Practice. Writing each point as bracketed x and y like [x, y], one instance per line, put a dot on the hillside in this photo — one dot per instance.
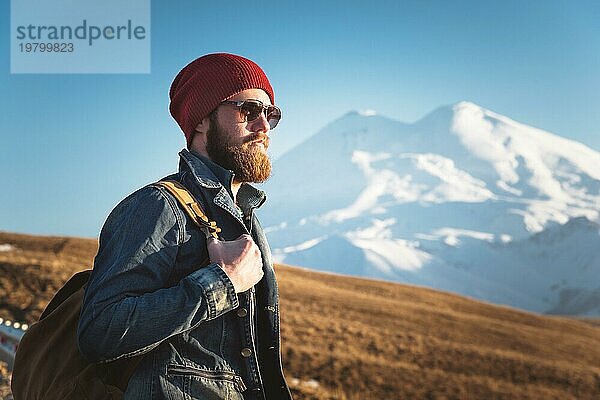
[352, 338]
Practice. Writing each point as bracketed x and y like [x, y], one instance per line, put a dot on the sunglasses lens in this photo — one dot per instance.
[251, 109]
[273, 116]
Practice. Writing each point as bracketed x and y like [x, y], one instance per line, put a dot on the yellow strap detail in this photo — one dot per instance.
[191, 207]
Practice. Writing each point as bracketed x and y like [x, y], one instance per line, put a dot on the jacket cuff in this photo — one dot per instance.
[218, 290]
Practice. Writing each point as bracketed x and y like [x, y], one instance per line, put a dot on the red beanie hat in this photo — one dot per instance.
[205, 82]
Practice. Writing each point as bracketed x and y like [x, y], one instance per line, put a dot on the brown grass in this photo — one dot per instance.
[351, 338]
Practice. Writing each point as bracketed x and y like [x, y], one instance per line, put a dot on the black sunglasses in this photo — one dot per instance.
[251, 109]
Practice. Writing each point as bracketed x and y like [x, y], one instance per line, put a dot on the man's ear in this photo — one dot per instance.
[203, 126]
[198, 142]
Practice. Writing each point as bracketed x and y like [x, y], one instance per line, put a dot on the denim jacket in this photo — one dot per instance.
[148, 295]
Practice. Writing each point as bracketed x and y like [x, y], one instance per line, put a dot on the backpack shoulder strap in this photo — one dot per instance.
[191, 207]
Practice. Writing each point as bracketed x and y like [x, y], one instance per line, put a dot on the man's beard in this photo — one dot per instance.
[248, 162]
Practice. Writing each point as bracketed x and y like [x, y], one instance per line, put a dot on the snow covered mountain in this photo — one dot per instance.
[464, 200]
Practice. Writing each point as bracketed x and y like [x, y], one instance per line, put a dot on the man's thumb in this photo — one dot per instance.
[212, 241]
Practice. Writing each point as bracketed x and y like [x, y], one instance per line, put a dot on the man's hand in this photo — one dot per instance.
[240, 259]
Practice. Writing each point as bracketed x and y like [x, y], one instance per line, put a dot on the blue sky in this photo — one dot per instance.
[72, 145]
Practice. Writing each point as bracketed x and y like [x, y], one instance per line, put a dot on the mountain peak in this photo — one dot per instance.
[367, 112]
[466, 103]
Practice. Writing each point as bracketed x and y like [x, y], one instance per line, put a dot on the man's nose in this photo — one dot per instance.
[260, 124]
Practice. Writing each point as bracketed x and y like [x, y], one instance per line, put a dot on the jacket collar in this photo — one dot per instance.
[204, 175]
[211, 175]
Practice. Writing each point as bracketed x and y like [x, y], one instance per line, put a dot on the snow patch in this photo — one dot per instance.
[386, 253]
[451, 236]
[367, 112]
[478, 136]
[7, 247]
[506, 187]
[456, 185]
[302, 246]
[379, 183]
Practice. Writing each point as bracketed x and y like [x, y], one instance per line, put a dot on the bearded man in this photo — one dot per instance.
[204, 312]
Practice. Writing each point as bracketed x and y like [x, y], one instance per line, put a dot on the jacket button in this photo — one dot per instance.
[246, 352]
[242, 312]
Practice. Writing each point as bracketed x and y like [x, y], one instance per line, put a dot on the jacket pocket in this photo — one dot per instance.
[228, 376]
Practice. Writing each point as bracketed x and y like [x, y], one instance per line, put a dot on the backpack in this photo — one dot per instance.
[48, 364]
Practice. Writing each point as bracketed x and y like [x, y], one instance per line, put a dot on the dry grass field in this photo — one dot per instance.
[351, 338]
